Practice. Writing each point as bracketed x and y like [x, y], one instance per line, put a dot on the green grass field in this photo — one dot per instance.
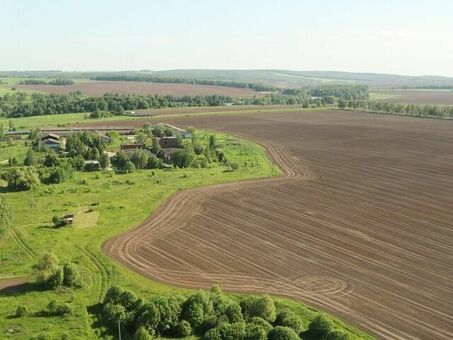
[54, 120]
[105, 204]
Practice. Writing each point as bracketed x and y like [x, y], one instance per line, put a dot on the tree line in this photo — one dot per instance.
[209, 315]
[23, 104]
[170, 80]
[344, 92]
[57, 81]
[432, 111]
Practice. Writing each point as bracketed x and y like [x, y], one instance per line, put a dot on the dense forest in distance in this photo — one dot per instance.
[267, 79]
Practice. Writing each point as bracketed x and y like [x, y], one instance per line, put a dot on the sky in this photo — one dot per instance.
[399, 36]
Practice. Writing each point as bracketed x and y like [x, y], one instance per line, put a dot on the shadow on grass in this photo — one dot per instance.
[22, 288]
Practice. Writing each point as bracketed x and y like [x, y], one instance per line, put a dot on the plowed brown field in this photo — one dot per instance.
[99, 88]
[361, 225]
[418, 97]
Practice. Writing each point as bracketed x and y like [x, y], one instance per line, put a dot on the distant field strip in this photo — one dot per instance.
[360, 225]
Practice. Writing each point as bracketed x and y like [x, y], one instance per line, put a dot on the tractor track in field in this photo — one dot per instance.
[104, 276]
[360, 225]
[19, 239]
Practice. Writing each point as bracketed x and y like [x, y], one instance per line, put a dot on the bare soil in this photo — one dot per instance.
[99, 88]
[418, 97]
[360, 226]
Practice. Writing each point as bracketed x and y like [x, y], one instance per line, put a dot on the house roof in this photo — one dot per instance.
[50, 136]
[51, 141]
[132, 146]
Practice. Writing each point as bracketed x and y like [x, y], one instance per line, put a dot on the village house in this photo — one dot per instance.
[53, 141]
[168, 142]
[132, 146]
[92, 165]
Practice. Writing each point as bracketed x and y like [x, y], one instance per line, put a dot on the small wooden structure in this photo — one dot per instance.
[68, 218]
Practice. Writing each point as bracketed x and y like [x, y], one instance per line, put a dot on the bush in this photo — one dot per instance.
[234, 166]
[21, 311]
[283, 333]
[320, 326]
[140, 159]
[154, 163]
[59, 309]
[72, 276]
[183, 329]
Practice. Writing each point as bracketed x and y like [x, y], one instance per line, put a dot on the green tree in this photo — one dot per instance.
[283, 333]
[212, 142]
[320, 326]
[112, 314]
[30, 159]
[46, 267]
[337, 334]
[104, 161]
[149, 317]
[140, 159]
[51, 159]
[263, 306]
[140, 138]
[56, 279]
[21, 179]
[169, 310]
[142, 334]
[183, 329]
[72, 276]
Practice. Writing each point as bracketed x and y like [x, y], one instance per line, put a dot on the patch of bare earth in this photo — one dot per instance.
[418, 97]
[361, 225]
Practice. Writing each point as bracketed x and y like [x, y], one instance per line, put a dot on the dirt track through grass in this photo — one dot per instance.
[360, 225]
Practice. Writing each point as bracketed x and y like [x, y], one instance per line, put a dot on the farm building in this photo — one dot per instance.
[184, 133]
[132, 146]
[92, 165]
[53, 141]
[168, 142]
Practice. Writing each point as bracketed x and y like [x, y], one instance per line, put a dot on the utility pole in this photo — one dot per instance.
[119, 330]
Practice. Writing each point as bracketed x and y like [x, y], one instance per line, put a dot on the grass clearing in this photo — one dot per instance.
[119, 202]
